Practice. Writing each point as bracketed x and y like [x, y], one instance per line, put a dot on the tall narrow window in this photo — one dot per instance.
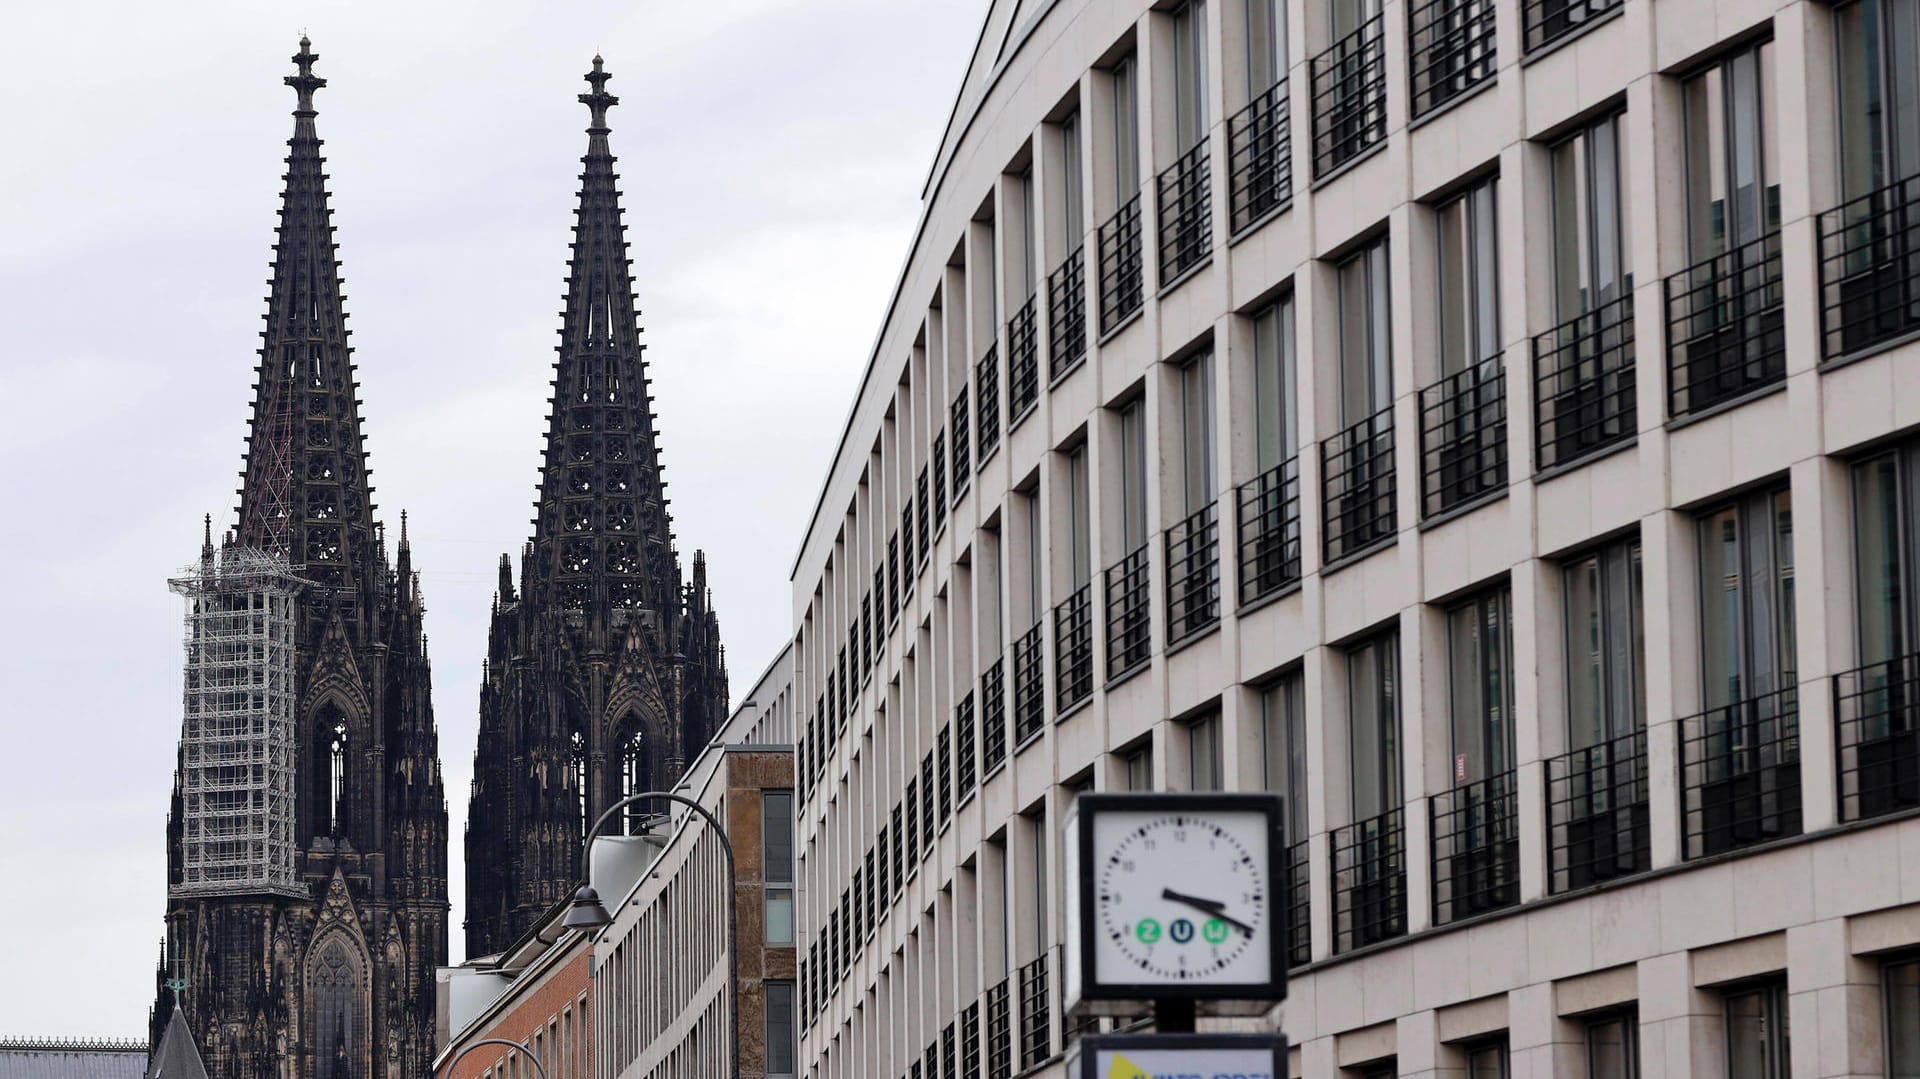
[1036, 556]
[577, 745]
[1205, 771]
[1079, 536]
[1488, 1059]
[1348, 15]
[780, 1042]
[1468, 276]
[776, 829]
[1480, 673]
[337, 782]
[1038, 883]
[1757, 1034]
[1877, 64]
[1126, 131]
[630, 753]
[1613, 1047]
[1275, 436]
[1591, 262]
[1266, 44]
[1366, 372]
[1373, 726]
[1139, 762]
[1133, 474]
[1283, 728]
[1733, 185]
[1747, 599]
[1878, 703]
[1900, 987]
[1196, 431]
[1073, 210]
[1029, 277]
[1190, 74]
[1606, 697]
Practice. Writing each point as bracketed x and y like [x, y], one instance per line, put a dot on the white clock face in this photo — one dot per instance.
[1181, 897]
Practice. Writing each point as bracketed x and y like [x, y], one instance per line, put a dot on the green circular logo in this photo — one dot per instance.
[1215, 931]
[1147, 930]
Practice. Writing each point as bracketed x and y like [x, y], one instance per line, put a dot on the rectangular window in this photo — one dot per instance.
[1189, 74]
[1283, 728]
[1196, 431]
[1877, 63]
[1029, 277]
[1039, 882]
[1747, 599]
[1139, 762]
[1613, 1047]
[1488, 1060]
[776, 829]
[1079, 538]
[1879, 748]
[1366, 372]
[780, 1046]
[1133, 475]
[1733, 176]
[1468, 279]
[1266, 44]
[1757, 1041]
[1373, 725]
[1073, 212]
[1275, 437]
[1349, 14]
[1884, 556]
[1036, 553]
[1204, 768]
[1592, 266]
[1605, 645]
[1480, 677]
[1126, 131]
[1901, 988]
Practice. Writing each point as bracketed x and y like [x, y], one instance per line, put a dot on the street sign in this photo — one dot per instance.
[1180, 1056]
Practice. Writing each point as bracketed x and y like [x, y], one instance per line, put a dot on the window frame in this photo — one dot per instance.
[1610, 722]
[1389, 782]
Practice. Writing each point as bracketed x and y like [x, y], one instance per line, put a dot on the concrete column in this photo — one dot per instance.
[1833, 1004]
[1681, 1032]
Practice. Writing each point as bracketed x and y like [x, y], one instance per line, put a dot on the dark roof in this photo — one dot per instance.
[72, 1058]
[177, 1057]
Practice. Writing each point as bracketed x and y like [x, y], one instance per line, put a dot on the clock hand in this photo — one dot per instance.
[1208, 906]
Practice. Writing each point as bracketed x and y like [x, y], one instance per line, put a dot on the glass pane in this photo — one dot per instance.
[1266, 44]
[1079, 540]
[779, 915]
[1073, 214]
[1610, 1049]
[776, 810]
[1747, 1035]
[1880, 579]
[1720, 608]
[1196, 420]
[1133, 476]
[1480, 653]
[1373, 727]
[1203, 754]
[1126, 141]
[1856, 32]
[1487, 1062]
[1273, 382]
[1903, 1020]
[1586, 719]
[1190, 74]
[1706, 177]
[1903, 85]
[779, 1028]
[1283, 730]
[1786, 635]
[1140, 769]
[1453, 286]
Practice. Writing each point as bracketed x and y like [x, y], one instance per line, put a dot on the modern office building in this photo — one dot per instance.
[1404, 407]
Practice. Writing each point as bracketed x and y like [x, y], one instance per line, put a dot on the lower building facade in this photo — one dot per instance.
[1492, 424]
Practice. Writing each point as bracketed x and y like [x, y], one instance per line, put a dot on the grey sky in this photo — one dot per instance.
[771, 155]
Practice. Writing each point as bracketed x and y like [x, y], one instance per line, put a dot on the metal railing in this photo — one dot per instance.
[1740, 772]
[1129, 617]
[993, 717]
[1029, 686]
[1870, 269]
[960, 418]
[1067, 315]
[1023, 364]
[1476, 848]
[986, 408]
[1350, 96]
[1584, 390]
[1120, 269]
[1451, 43]
[1193, 574]
[969, 751]
[949, 1050]
[1073, 649]
[1597, 813]
[1876, 710]
[1463, 437]
[1270, 531]
[1725, 331]
[1259, 159]
[1546, 21]
[943, 755]
[929, 804]
[1299, 905]
[1186, 216]
[1370, 881]
[1357, 474]
[999, 1031]
[970, 1041]
[1036, 1013]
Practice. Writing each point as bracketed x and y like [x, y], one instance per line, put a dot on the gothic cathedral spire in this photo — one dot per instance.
[604, 670]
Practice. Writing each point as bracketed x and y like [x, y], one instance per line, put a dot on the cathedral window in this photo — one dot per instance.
[336, 807]
[631, 750]
[580, 778]
[337, 1033]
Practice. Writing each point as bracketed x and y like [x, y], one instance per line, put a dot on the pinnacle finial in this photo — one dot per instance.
[599, 101]
[403, 528]
[306, 82]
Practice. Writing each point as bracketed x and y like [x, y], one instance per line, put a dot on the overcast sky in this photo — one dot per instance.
[771, 153]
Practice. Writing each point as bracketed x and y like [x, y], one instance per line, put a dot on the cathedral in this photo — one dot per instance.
[604, 670]
[307, 835]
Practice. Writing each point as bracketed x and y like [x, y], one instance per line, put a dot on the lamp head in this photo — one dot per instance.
[586, 913]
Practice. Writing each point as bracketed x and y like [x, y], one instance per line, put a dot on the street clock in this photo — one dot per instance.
[1175, 897]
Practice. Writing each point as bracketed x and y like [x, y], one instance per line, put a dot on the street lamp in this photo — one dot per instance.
[587, 913]
[541, 1068]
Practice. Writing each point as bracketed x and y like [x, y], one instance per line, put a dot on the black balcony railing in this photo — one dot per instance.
[1877, 724]
[1584, 392]
[1260, 159]
[986, 409]
[999, 1031]
[1193, 574]
[1270, 531]
[970, 1041]
[1597, 813]
[1725, 334]
[1299, 905]
[1186, 215]
[1546, 21]
[1023, 364]
[1350, 96]
[968, 766]
[1463, 437]
[1029, 686]
[1370, 881]
[1476, 848]
[1067, 315]
[1740, 772]
[1128, 615]
[1357, 472]
[993, 717]
[1452, 49]
[950, 1050]
[1870, 269]
[1036, 1013]
[1073, 649]
[1120, 269]
[961, 418]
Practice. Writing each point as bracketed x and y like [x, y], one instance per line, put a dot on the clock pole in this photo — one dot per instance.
[1173, 1016]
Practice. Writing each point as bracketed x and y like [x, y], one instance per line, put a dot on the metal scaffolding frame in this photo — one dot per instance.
[236, 773]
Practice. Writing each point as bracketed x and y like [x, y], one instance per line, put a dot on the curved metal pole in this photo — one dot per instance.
[733, 892]
[541, 1068]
